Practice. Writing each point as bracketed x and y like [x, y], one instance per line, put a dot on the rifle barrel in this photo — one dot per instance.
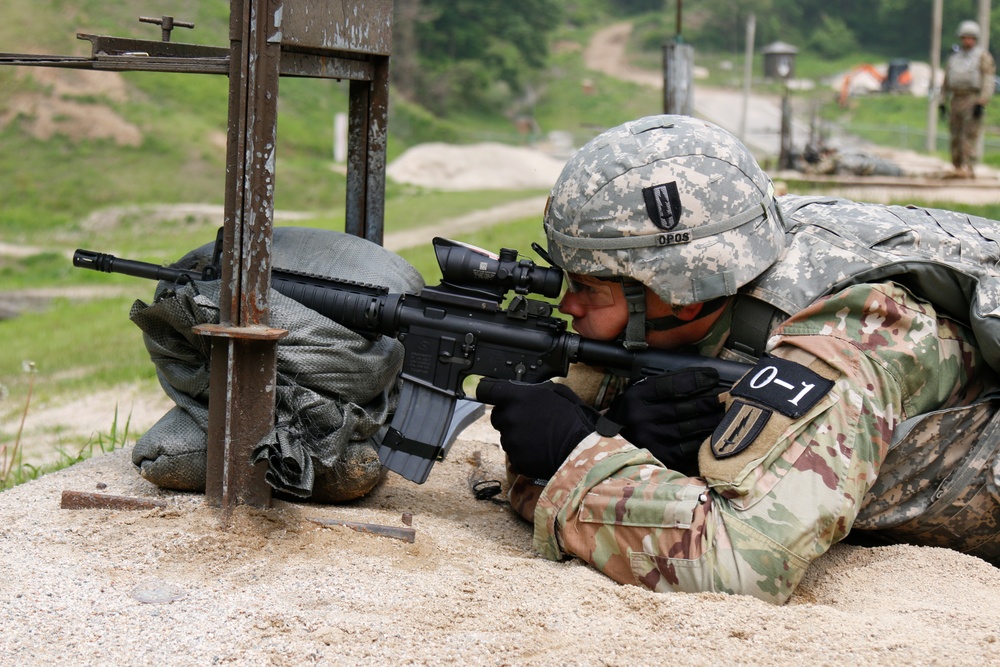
[99, 261]
[648, 362]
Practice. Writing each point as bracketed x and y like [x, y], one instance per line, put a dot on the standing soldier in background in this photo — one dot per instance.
[969, 81]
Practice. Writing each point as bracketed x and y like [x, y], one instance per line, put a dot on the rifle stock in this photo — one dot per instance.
[450, 332]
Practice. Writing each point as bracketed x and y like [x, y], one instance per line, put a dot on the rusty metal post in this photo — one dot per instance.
[378, 134]
[785, 160]
[244, 348]
[367, 135]
[357, 159]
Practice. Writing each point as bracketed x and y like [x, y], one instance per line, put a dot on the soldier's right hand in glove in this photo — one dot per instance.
[539, 424]
[670, 415]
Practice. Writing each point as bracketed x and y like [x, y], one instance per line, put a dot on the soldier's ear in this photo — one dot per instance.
[688, 312]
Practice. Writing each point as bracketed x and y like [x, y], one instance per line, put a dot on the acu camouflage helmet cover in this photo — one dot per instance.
[674, 202]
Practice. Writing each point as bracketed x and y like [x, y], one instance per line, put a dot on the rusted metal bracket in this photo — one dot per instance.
[120, 54]
[167, 24]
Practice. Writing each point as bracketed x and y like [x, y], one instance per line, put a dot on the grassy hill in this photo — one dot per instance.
[180, 120]
[57, 177]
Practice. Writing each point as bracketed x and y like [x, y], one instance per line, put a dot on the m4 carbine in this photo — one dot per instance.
[457, 329]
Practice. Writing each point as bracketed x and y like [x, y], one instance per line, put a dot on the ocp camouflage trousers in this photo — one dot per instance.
[965, 130]
[940, 484]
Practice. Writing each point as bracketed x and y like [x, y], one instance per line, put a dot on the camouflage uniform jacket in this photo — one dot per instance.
[752, 523]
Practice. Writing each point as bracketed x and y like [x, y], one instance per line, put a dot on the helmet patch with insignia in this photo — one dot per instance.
[663, 204]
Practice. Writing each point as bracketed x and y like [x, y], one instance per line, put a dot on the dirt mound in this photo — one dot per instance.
[483, 166]
[68, 108]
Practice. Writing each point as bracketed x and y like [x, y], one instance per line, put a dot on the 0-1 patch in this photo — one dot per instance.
[788, 387]
[739, 428]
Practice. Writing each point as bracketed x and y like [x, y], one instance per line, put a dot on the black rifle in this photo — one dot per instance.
[450, 332]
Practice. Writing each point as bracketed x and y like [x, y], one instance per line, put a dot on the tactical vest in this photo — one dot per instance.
[949, 259]
[965, 70]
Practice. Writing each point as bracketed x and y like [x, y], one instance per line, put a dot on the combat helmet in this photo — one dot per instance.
[968, 29]
[673, 203]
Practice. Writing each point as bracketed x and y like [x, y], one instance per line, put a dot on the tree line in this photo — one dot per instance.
[480, 54]
[831, 28]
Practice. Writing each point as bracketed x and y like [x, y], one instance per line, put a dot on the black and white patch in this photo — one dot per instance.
[663, 205]
[739, 428]
[788, 387]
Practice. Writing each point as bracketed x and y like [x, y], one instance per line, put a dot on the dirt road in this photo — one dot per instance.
[606, 53]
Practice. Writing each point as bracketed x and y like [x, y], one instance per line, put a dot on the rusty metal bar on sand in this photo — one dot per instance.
[81, 500]
[404, 534]
[244, 349]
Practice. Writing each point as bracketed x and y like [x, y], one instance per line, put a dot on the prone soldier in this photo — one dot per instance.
[870, 413]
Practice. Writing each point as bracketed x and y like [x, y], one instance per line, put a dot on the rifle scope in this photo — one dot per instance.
[464, 265]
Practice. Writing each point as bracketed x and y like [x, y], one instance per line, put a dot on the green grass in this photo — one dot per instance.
[900, 121]
[567, 106]
[14, 470]
[77, 347]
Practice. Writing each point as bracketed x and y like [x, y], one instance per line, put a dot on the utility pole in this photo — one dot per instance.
[933, 94]
[747, 72]
[678, 69]
[984, 24]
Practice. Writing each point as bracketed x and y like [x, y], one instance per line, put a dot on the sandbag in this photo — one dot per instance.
[335, 392]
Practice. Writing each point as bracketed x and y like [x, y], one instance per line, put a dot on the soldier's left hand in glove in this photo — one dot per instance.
[539, 424]
[671, 414]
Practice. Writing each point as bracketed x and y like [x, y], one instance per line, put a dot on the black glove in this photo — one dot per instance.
[943, 111]
[977, 111]
[539, 424]
[670, 415]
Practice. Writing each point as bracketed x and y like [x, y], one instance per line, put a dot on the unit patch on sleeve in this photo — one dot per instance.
[785, 386]
[739, 428]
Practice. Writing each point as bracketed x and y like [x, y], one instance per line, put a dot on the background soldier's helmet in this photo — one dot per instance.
[968, 28]
[676, 203]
